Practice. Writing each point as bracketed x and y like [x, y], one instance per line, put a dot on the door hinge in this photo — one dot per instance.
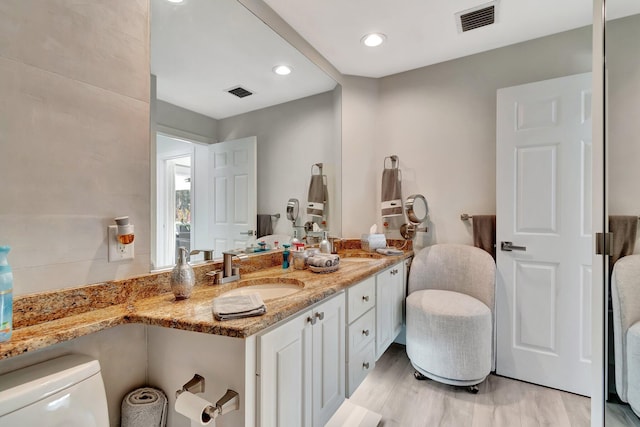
[603, 243]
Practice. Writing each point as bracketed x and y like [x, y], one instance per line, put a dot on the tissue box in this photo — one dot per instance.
[371, 242]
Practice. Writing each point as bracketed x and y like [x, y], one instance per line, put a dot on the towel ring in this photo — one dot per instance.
[395, 160]
[319, 166]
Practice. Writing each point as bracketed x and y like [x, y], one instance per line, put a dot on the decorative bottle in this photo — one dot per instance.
[6, 295]
[325, 246]
[182, 277]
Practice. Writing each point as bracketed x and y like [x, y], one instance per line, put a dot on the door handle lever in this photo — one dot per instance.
[248, 233]
[509, 246]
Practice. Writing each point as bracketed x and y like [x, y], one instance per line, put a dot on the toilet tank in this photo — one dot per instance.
[66, 391]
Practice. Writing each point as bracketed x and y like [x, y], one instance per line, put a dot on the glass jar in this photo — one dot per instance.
[299, 260]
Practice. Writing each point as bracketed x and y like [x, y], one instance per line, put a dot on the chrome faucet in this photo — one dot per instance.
[208, 253]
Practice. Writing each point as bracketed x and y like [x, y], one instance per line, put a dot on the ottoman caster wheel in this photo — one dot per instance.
[473, 389]
[417, 375]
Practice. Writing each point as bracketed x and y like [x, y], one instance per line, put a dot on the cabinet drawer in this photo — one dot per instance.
[360, 365]
[360, 298]
[362, 331]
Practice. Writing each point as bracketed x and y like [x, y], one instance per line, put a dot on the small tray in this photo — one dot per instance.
[324, 269]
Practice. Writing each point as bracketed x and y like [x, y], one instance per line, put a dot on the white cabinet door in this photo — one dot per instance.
[389, 303]
[301, 368]
[284, 374]
[399, 290]
[384, 315]
[328, 356]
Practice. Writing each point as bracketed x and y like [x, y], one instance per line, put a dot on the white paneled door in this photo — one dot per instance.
[543, 194]
[233, 175]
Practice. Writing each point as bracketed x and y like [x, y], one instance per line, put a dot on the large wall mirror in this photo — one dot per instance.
[221, 103]
[622, 108]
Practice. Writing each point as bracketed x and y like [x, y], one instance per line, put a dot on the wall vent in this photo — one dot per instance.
[240, 92]
[476, 17]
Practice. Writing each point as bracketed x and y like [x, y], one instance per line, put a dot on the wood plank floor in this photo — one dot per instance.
[391, 390]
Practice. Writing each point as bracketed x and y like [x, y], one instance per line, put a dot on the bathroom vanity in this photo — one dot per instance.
[292, 366]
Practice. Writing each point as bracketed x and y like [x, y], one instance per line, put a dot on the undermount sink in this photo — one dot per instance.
[267, 288]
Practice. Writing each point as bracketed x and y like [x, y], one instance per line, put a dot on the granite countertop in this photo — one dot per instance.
[193, 314]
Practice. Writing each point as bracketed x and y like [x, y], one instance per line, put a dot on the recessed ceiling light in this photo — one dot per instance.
[373, 39]
[175, 1]
[282, 70]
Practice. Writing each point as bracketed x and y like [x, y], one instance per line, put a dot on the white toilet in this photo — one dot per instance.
[66, 391]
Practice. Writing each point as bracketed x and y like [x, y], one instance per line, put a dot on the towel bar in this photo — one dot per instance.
[276, 216]
[466, 217]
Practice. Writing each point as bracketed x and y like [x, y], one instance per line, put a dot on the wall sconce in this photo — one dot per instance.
[121, 237]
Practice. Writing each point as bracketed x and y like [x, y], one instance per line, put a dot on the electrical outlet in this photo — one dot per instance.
[118, 251]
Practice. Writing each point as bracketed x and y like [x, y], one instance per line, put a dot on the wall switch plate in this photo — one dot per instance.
[118, 251]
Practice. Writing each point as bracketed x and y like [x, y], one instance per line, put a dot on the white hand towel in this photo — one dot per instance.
[237, 306]
[323, 260]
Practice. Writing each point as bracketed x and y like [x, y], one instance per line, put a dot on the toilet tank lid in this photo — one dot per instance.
[25, 386]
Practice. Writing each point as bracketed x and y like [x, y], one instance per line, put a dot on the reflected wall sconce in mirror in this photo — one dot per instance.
[417, 210]
[120, 240]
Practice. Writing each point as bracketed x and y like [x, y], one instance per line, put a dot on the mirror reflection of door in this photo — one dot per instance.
[206, 196]
[622, 53]
[233, 194]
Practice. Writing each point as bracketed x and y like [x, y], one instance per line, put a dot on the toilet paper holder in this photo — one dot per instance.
[194, 385]
[227, 403]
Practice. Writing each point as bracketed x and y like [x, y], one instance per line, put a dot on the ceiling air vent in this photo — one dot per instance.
[476, 17]
[240, 92]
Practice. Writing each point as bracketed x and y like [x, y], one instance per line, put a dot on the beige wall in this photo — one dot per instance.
[74, 154]
[178, 118]
[360, 172]
[440, 120]
[74, 140]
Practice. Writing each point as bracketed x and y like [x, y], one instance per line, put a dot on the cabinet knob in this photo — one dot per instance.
[311, 320]
[365, 332]
[320, 315]
[365, 365]
[365, 298]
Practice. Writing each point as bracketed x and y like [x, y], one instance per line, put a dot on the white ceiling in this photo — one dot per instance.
[423, 32]
[202, 48]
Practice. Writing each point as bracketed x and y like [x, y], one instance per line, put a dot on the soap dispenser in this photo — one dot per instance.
[285, 256]
[325, 246]
[182, 277]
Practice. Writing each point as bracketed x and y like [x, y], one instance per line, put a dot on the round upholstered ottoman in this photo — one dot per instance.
[449, 336]
[633, 367]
